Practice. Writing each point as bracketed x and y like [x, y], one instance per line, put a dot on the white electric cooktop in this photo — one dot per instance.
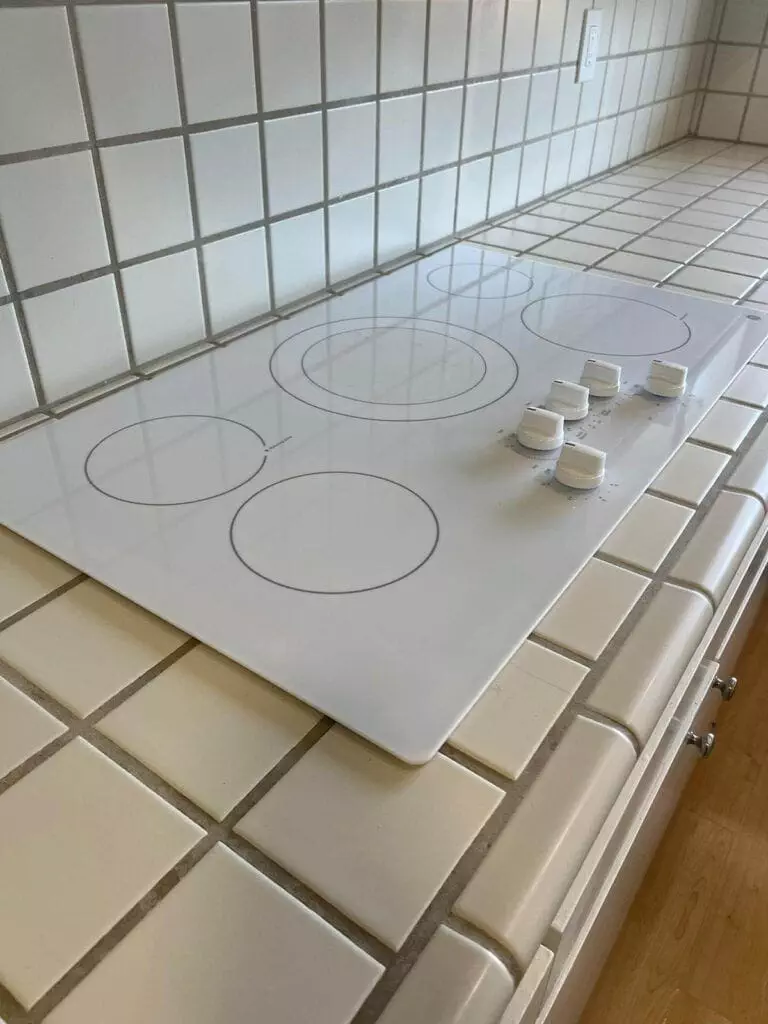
[337, 501]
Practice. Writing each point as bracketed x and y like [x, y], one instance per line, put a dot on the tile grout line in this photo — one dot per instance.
[463, 116]
[497, 112]
[423, 138]
[377, 136]
[321, 12]
[265, 205]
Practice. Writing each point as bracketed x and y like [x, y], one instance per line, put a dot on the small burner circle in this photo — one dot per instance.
[480, 279]
[175, 460]
[334, 532]
[601, 324]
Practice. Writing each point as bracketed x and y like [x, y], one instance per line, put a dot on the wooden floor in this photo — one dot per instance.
[694, 949]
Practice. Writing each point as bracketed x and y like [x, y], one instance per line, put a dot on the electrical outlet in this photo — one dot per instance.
[590, 45]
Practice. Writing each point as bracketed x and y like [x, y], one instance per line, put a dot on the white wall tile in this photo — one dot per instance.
[559, 161]
[721, 115]
[650, 78]
[641, 29]
[479, 118]
[549, 32]
[621, 33]
[567, 102]
[403, 23]
[350, 48]
[289, 53]
[52, 219]
[350, 228]
[513, 103]
[399, 137]
[573, 25]
[732, 68]
[148, 196]
[622, 137]
[505, 177]
[614, 81]
[397, 220]
[294, 161]
[474, 182]
[532, 170]
[640, 127]
[666, 75]
[17, 394]
[744, 21]
[632, 79]
[583, 145]
[660, 22]
[298, 256]
[164, 307]
[447, 40]
[485, 38]
[591, 94]
[756, 122]
[129, 67]
[520, 34]
[676, 24]
[438, 203]
[77, 336]
[601, 154]
[227, 169]
[442, 127]
[761, 79]
[3, 285]
[351, 148]
[216, 87]
[541, 107]
[236, 278]
[37, 109]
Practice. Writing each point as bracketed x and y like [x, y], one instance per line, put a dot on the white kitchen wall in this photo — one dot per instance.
[170, 171]
[736, 100]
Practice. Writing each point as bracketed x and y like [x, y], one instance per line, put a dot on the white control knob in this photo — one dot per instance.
[603, 379]
[570, 400]
[667, 380]
[540, 429]
[580, 466]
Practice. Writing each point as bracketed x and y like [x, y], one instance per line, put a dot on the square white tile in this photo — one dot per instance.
[27, 573]
[294, 161]
[77, 336]
[230, 155]
[532, 173]
[647, 533]
[479, 118]
[539, 224]
[641, 208]
[17, 395]
[442, 127]
[510, 721]
[505, 176]
[706, 219]
[402, 43]
[164, 305]
[749, 245]
[129, 67]
[213, 87]
[690, 234]
[756, 121]
[743, 21]
[298, 256]
[579, 253]
[647, 267]
[726, 425]
[721, 115]
[52, 218]
[592, 608]
[624, 222]
[148, 196]
[351, 237]
[109, 836]
[750, 387]
[448, 27]
[513, 103]
[485, 38]
[608, 237]
[397, 220]
[733, 68]
[210, 728]
[591, 200]
[289, 53]
[236, 278]
[718, 281]
[373, 836]
[351, 148]
[563, 211]
[753, 226]
[760, 294]
[36, 109]
[733, 262]
[25, 727]
[474, 182]
[86, 645]
[225, 919]
[350, 48]
[399, 137]
[541, 107]
[438, 203]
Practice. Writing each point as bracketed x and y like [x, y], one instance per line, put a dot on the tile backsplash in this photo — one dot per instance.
[170, 171]
[736, 101]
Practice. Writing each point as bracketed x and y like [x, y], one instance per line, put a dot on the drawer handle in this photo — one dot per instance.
[727, 687]
[704, 743]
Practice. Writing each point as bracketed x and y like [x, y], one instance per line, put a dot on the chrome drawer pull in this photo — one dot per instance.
[727, 687]
[705, 743]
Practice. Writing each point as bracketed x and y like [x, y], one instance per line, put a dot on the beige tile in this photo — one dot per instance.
[716, 549]
[506, 726]
[647, 267]
[374, 837]
[226, 945]
[737, 263]
[752, 472]
[518, 888]
[24, 727]
[539, 225]
[88, 841]
[526, 1003]
[647, 533]
[86, 645]
[690, 473]
[454, 981]
[27, 573]
[640, 680]
[663, 248]
[750, 387]
[572, 252]
[726, 425]
[505, 238]
[717, 281]
[210, 728]
[598, 236]
[592, 608]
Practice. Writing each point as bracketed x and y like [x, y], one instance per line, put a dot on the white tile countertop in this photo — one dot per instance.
[188, 842]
